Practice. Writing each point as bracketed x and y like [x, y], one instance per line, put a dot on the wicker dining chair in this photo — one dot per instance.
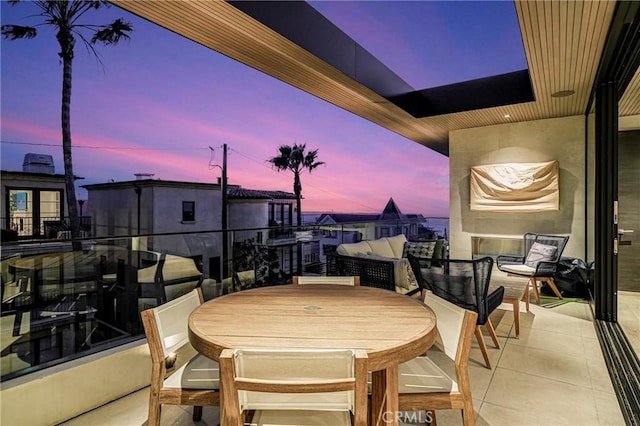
[464, 283]
[313, 279]
[294, 387]
[196, 382]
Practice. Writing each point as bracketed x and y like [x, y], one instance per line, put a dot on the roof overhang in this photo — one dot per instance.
[558, 61]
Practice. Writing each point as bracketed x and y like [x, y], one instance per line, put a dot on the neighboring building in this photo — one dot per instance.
[192, 213]
[386, 224]
[268, 242]
[338, 228]
[33, 200]
[153, 206]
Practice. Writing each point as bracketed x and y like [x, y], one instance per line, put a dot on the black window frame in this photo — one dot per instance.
[188, 216]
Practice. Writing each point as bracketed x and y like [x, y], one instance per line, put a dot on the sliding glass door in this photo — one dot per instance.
[629, 236]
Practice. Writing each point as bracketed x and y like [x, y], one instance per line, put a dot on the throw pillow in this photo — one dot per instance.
[438, 252]
[539, 253]
[419, 249]
[411, 281]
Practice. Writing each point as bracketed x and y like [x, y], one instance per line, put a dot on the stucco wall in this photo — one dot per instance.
[115, 212]
[248, 214]
[561, 139]
[167, 204]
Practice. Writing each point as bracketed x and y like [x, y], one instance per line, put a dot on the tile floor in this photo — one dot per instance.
[629, 316]
[553, 374]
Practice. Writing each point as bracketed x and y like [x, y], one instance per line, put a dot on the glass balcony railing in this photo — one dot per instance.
[59, 304]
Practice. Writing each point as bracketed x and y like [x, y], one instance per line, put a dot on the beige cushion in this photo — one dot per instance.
[354, 249]
[520, 269]
[422, 375]
[403, 290]
[301, 418]
[381, 247]
[403, 275]
[199, 373]
[397, 244]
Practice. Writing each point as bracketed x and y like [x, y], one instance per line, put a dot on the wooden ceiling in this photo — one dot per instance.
[563, 42]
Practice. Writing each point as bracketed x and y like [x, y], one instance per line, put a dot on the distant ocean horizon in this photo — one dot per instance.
[439, 225]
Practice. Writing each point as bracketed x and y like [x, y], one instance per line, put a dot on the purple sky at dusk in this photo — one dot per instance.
[161, 101]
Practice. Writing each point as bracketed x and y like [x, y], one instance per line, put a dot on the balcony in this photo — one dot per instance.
[554, 373]
[60, 305]
[99, 339]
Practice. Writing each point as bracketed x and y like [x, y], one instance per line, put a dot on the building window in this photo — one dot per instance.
[188, 211]
[280, 214]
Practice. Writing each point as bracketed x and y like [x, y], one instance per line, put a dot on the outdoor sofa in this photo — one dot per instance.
[383, 262]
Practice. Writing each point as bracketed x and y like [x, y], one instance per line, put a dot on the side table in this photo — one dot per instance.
[515, 289]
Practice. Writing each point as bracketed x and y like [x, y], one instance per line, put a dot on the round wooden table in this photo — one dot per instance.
[391, 327]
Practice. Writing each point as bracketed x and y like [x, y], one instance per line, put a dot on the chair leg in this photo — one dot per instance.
[483, 347]
[492, 333]
[197, 413]
[431, 418]
[155, 407]
[527, 296]
[154, 414]
[552, 285]
[468, 416]
[516, 316]
[536, 294]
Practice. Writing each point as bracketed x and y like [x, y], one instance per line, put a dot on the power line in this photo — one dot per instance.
[182, 148]
[176, 148]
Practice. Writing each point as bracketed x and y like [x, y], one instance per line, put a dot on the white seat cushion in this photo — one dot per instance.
[199, 373]
[422, 375]
[520, 269]
[300, 418]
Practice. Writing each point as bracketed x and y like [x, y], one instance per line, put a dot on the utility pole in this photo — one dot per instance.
[225, 237]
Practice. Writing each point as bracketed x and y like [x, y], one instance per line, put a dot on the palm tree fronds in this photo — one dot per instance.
[113, 33]
[14, 32]
[63, 16]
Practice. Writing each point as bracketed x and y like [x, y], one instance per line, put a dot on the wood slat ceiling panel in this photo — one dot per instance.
[562, 42]
[630, 102]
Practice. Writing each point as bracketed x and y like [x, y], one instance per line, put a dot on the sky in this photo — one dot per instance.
[163, 105]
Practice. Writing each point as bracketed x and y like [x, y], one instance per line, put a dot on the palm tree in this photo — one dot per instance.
[294, 158]
[64, 17]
